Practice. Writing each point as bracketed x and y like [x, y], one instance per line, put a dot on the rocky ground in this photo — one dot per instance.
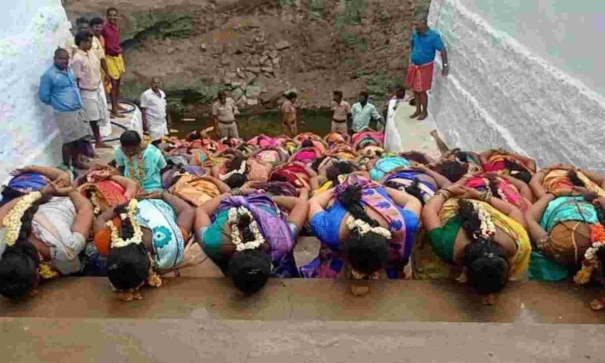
[257, 49]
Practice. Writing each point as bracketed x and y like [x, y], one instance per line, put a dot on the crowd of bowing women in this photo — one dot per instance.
[483, 219]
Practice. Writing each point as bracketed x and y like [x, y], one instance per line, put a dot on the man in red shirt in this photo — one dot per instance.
[113, 58]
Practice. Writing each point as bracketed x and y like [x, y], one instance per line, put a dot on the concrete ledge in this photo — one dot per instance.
[317, 299]
[198, 340]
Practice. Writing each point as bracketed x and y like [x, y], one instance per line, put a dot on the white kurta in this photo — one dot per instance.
[392, 139]
[155, 109]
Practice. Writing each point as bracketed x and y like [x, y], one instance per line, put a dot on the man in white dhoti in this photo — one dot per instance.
[154, 110]
[87, 69]
[392, 139]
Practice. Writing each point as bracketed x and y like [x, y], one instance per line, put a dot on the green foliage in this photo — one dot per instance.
[316, 9]
[384, 18]
[148, 24]
[287, 3]
[381, 83]
[176, 108]
[353, 12]
[351, 40]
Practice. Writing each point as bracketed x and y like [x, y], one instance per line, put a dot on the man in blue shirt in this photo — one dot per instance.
[424, 46]
[59, 89]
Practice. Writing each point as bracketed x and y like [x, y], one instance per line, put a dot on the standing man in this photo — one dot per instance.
[363, 111]
[288, 108]
[82, 25]
[223, 115]
[392, 139]
[87, 69]
[98, 47]
[58, 89]
[341, 113]
[113, 58]
[154, 110]
[424, 45]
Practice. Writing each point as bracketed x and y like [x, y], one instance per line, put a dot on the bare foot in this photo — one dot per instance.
[102, 145]
[359, 290]
[113, 115]
[415, 114]
[120, 108]
[422, 117]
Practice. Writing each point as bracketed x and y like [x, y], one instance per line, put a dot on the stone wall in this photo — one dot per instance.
[505, 90]
[30, 33]
[257, 49]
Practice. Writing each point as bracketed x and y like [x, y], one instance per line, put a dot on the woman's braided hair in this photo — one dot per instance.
[366, 253]
[20, 262]
[127, 267]
[485, 260]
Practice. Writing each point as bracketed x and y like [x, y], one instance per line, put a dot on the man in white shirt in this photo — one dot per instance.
[223, 115]
[392, 139]
[154, 110]
[363, 111]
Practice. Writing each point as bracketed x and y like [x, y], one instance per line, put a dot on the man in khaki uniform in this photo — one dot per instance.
[223, 115]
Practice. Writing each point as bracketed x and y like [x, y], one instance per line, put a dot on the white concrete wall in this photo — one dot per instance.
[525, 75]
[30, 32]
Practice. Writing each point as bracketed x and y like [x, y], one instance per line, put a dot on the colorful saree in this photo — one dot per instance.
[293, 172]
[402, 179]
[23, 184]
[506, 191]
[558, 179]
[195, 190]
[427, 265]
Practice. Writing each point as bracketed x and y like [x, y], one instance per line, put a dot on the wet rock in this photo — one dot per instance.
[230, 76]
[254, 70]
[252, 101]
[203, 46]
[267, 70]
[242, 102]
[276, 60]
[225, 60]
[282, 45]
[273, 54]
[263, 59]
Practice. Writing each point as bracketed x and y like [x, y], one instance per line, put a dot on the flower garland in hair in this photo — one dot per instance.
[589, 265]
[234, 216]
[487, 228]
[241, 170]
[116, 240]
[12, 220]
[363, 228]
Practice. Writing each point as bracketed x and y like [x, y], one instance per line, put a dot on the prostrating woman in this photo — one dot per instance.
[366, 226]
[380, 166]
[145, 239]
[484, 235]
[143, 164]
[515, 165]
[31, 179]
[42, 234]
[297, 174]
[106, 189]
[561, 221]
[418, 180]
[307, 153]
[249, 237]
[502, 186]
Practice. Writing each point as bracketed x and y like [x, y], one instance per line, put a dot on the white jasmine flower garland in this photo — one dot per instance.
[234, 216]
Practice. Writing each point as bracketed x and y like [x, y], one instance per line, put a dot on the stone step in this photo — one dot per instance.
[308, 300]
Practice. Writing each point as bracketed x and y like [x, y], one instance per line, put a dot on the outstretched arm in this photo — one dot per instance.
[534, 215]
[536, 184]
[298, 209]
[58, 176]
[203, 212]
[185, 213]
[131, 187]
